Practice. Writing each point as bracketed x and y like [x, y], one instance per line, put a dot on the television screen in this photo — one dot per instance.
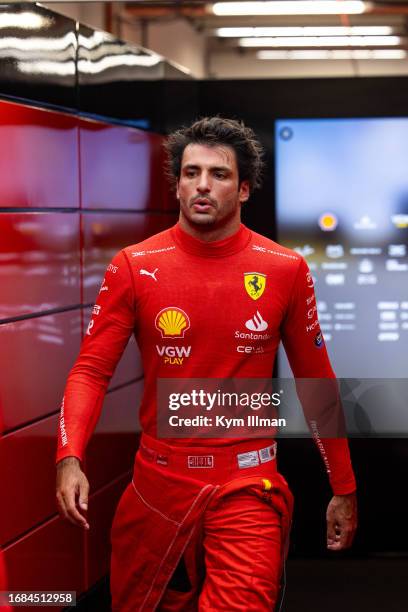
[342, 202]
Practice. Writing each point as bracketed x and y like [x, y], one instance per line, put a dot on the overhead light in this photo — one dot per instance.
[361, 54]
[96, 38]
[305, 31]
[371, 54]
[322, 41]
[34, 44]
[292, 7]
[27, 20]
[43, 67]
[114, 61]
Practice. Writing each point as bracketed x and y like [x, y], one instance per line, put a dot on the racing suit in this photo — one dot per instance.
[200, 310]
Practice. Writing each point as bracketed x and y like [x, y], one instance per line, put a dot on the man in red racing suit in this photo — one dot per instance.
[205, 299]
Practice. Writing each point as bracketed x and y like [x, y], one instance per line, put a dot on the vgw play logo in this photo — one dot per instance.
[172, 322]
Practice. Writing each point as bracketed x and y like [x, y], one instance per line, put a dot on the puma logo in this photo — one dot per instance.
[152, 274]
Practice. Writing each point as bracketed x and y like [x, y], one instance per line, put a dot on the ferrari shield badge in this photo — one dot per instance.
[255, 283]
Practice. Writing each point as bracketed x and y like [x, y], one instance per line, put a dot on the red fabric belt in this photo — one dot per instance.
[215, 465]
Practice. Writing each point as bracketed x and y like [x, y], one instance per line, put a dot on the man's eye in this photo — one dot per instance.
[219, 175]
[190, 173]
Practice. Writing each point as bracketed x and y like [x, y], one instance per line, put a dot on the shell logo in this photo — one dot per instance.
[172, 322]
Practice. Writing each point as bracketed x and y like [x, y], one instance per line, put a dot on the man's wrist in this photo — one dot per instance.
[71, 460]
[351, 494]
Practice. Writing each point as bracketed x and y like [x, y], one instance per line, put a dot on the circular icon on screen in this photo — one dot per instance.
[286, 133]
[328, 222]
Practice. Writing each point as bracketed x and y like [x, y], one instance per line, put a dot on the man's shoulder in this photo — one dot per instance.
[273, 251]
[162, 242]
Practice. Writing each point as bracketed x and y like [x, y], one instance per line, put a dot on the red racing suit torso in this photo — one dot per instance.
[199, 310]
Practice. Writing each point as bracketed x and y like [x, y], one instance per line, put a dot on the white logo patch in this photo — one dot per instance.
[174, 351]
[103, 287]
[90, 326]
[152, 274]
[249, 459]
[200, 461]
[152, 251]
[268, 453]
[257, 323]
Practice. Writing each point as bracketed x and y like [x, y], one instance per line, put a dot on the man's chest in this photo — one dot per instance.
[213, 301]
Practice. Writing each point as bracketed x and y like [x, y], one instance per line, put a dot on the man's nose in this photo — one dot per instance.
[203, 184]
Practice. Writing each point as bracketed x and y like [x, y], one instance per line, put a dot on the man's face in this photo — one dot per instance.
[208, 188]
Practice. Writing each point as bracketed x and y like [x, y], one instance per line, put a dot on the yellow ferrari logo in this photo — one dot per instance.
[254, 284]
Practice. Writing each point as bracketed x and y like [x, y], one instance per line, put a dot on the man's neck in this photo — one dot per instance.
[210, 233]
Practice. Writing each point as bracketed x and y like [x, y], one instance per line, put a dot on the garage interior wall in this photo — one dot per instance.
[60, 226]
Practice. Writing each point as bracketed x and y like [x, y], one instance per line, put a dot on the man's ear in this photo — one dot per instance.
[244, 191]
[177, 190]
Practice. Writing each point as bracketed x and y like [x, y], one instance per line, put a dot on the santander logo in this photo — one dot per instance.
[257, 323]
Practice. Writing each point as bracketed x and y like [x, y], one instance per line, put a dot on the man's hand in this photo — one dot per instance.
[341, 521]
[72, 491]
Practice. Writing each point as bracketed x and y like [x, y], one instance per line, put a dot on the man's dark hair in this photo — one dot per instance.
[214, 131]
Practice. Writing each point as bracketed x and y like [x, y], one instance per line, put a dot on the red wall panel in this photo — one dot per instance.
[112, 448]
[27, 461]
[102, 507]
[121, 167]
[105, 234]
[129, 367]
[39, 262]
[36, 355]
[49, 558]
[27, 473]
[169, 200]
[38, 157]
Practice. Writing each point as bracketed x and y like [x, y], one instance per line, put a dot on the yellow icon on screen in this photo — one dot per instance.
[328, 222]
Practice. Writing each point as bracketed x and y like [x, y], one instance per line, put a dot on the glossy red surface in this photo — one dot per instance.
[27, 473]
[39, 262]
[121, 167]
[102, 507]
[36, 355]
[40, 269]
[129, 367]
[27, 457]
[38, 157]
[49, 558]
[105, 234]
[170, 202]
[112, 448]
